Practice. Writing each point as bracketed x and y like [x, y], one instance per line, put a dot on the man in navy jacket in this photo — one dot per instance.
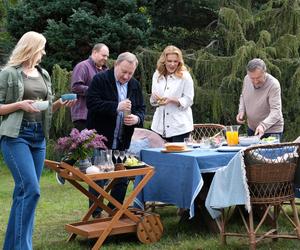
[115, 107]
[111, 95]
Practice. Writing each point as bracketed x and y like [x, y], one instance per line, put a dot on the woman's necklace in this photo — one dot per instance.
[30, 72]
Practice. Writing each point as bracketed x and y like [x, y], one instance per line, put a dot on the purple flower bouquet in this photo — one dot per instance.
[80, 145]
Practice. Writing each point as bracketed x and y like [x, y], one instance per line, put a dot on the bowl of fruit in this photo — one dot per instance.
[271, 139]
[132, 162]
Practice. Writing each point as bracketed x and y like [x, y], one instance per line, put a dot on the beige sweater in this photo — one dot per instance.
[262, 106]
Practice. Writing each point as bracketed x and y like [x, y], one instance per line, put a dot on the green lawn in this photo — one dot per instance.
[63, 204]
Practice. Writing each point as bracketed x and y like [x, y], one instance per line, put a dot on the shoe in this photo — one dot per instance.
[60, 180]
[96, 215]
[182, 211]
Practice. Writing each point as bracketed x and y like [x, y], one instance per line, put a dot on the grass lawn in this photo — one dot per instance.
[59, 205]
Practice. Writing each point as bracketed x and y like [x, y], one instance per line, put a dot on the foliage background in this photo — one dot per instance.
[218, 39]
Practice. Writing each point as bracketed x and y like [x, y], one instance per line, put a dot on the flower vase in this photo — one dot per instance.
[83, 164]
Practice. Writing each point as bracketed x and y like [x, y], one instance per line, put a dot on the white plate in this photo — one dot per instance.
[230, 148]
[140, 164]
[176, 151]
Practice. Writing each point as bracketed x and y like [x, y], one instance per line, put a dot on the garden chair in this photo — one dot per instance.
[270, 171]
[297, 177]
[154, 140]
[206, 130]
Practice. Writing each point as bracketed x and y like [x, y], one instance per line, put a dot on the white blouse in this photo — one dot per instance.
[171, 120]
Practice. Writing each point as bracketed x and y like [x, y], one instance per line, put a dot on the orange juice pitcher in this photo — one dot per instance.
[232, 135]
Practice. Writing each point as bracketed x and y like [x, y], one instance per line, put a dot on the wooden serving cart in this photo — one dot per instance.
[123, 219]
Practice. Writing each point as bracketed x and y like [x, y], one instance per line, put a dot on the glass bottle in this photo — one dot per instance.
[110, 165]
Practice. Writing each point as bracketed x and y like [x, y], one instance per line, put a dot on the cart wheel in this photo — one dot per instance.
[149, 229]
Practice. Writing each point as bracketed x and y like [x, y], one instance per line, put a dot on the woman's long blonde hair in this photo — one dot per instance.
[161, 67]
[27, 49]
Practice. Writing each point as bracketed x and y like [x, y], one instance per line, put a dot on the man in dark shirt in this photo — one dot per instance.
[115, 107]
[82, 76]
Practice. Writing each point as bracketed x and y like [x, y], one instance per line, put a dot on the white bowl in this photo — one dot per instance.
[41, 105]
[248, 140]
[92, 170]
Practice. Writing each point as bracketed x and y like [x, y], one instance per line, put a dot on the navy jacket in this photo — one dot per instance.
[102, 103]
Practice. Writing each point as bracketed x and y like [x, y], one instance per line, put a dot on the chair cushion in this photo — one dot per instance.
[298, 139]
[155, 141]
[137, 145]
[259, 158]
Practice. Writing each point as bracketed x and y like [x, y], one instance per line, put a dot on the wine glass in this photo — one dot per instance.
[122, 156]
[127, 154]
[116, 155]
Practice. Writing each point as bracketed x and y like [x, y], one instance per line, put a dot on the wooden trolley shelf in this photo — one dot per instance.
[94, 228]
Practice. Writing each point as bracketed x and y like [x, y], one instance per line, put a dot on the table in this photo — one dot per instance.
[177, 178]
[122, 219]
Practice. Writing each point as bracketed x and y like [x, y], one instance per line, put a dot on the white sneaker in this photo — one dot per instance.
[60, 180]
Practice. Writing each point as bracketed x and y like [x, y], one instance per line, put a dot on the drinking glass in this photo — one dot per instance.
[232, 135]
[127, 154]
[116, 155]
[188, 142]
[205, 143]
[122, 156]
[276, 138]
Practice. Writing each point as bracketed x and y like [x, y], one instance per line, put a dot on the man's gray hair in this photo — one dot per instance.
[127, 56]
[98, 46]
[256, 63]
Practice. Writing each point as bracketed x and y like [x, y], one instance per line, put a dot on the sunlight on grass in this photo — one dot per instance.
[60, 205]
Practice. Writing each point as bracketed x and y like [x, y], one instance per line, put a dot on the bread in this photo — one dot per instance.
[175, 146]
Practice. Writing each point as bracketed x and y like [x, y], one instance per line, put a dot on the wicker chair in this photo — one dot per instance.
[200, 131]
[270, 171]
[206, 130]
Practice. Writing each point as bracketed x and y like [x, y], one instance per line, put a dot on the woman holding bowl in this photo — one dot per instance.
[23, 130]
[172, 95]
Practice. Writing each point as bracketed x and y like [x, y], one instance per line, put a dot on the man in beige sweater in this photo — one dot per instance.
[260, 101]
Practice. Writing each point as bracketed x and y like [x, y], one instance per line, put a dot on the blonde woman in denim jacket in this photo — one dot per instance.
[23, 131]
[172, 94]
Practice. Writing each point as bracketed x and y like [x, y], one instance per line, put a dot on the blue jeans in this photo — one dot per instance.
[24, 157]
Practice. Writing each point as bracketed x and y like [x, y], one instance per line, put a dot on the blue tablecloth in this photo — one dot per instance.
[177, 178]
[229, 187]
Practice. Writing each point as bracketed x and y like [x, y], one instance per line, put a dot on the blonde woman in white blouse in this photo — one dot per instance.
[172, 94]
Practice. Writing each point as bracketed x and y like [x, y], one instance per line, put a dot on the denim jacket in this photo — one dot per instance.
[12, 90]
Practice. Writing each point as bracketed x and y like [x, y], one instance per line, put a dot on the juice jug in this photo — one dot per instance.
[232, 135]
